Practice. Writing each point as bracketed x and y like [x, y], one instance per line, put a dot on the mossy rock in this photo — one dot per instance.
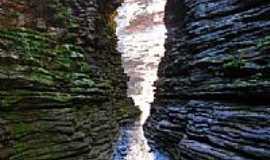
[40, 51]
[234, 64]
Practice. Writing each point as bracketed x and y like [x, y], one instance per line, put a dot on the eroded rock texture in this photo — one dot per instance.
[212, 100]
[62, 88]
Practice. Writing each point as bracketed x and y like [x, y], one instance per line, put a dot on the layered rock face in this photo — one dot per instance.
[62, 87]
[212, 100]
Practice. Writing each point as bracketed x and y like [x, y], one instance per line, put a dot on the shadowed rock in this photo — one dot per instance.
[62, 87]
[212, 99]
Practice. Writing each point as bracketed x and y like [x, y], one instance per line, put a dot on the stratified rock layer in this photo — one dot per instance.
[212, 100]
[62, 88]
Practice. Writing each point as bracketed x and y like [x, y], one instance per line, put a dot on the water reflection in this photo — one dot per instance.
[141, 34]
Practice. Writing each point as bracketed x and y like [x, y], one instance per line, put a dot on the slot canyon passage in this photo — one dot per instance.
[141, 34]
[65, 91]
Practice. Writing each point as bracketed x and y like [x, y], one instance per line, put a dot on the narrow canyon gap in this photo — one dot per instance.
[141, 34]
[63, 87]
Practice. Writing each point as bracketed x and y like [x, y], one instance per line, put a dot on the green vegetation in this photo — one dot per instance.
[126, 111]
[263, 42]
[43, 51]
[37, 58]
[22, 128]
[48, 79]
[13, 97]
[62, 13]
[20, 147]
[234, 64]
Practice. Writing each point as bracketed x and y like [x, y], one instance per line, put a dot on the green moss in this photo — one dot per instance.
[62, 13]
[263, 42]
[10, 98]
[15, 14]
[127, 111]
[69, 56]
[41, 78]
[105, 84]
[28, 44]
[21, 128]
[19, 147]
[234, 64]
[8, 101]
[84, 82]
[35, 48]
[84, 67]
[60, 97]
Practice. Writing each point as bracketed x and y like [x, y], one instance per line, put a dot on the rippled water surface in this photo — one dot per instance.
[141, 34]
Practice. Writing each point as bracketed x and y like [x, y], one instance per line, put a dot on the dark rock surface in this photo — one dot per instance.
[212, 99]
[62, 87]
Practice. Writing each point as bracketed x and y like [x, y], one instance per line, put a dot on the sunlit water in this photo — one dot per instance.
[141, 34]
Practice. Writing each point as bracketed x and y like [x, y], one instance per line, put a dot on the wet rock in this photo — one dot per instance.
[62, 87]
[212, 99]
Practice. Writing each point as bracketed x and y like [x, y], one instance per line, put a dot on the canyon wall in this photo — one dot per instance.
[212, 99]
[62, 86]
